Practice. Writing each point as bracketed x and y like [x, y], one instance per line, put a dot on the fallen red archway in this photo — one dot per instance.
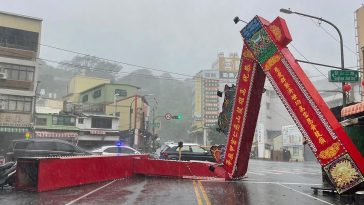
[265, 55]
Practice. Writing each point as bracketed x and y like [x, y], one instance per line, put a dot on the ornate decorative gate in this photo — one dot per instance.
[265, 55]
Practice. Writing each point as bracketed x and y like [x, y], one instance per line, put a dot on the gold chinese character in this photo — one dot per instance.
[305, 114]
[245, 77]
[309, 121]
[239, 110]
[231, 156]
[294, 97]
[302, 109]
[286, 85]
[322, 140]
[298, 102]
[241, 100]
[233, 141]
[318, 134]
[231, 149]
[313, 127]
[290, 91]
[238, 118]
[242, 91]
[235, 134]
[247, 68]
[236, 126]
[283, 80]
[228, 162]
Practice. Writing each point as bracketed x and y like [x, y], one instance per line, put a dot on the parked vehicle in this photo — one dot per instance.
[44, 148]
[188, 152]
[113, 149]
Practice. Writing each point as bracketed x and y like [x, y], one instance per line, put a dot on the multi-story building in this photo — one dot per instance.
[106, 99]
[19, 51]
[80, 83]
[206, 102]
[228, 67]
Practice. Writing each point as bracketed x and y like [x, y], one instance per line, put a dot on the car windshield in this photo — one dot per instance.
[181, 102]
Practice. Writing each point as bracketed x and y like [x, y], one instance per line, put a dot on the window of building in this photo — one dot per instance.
[19, 39]
[18, 72]
[97, 94]
[63, 120]
[295, 151]
[85, 98]
[121, 92]
[80, 120]
[98, 122]
[40, 121]
[16, 103]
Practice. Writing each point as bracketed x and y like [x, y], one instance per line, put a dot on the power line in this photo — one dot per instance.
[133, 65]
[311, 64]
[332, 36]
[116, 61]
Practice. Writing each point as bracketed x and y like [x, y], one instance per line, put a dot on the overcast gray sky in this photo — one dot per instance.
[183, 35]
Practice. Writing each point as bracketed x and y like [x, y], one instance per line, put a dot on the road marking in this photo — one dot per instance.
[207, 200]
[81, 197]
[305, 194]
[255, 173]
[199, 200]
[265, 182]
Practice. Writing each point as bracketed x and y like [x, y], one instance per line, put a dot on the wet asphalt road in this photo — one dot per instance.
[267, 182]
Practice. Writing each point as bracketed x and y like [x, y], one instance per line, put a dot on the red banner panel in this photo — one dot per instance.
[250, 83]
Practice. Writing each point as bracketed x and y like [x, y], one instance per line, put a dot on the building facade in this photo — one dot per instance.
[228, 67]
[359, 17]
[19, 51]
[80, 83]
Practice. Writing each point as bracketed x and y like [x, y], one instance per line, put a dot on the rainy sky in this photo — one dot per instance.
[184, 36]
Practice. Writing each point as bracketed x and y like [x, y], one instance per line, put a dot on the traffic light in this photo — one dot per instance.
[178, 117]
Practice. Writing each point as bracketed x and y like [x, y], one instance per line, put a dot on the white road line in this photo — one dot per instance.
[81, 197]
[287, 183]
[256, 173]
[268, 172]
[305, 194]
[264, 182]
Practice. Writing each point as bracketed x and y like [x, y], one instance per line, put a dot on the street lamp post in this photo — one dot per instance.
[287, 11]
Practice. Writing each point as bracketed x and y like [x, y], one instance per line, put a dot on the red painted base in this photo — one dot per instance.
[45, 174]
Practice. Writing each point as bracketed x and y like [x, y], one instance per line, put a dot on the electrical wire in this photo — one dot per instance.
[116, 61]
[332, 36]
[311, 64]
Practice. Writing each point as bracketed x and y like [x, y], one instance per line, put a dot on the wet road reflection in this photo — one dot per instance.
[266, 183]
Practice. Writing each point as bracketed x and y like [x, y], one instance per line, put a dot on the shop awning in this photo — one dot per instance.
[56, 134]
[352, 109]
[14, 129]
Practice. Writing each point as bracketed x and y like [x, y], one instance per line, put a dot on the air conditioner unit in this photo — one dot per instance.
[3, 76]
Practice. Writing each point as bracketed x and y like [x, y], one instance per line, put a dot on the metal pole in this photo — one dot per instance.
[153, 128]
[34, 109]
[114, 104]
[341, 42]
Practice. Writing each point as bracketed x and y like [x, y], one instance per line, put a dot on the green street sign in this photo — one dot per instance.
[343, 76]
